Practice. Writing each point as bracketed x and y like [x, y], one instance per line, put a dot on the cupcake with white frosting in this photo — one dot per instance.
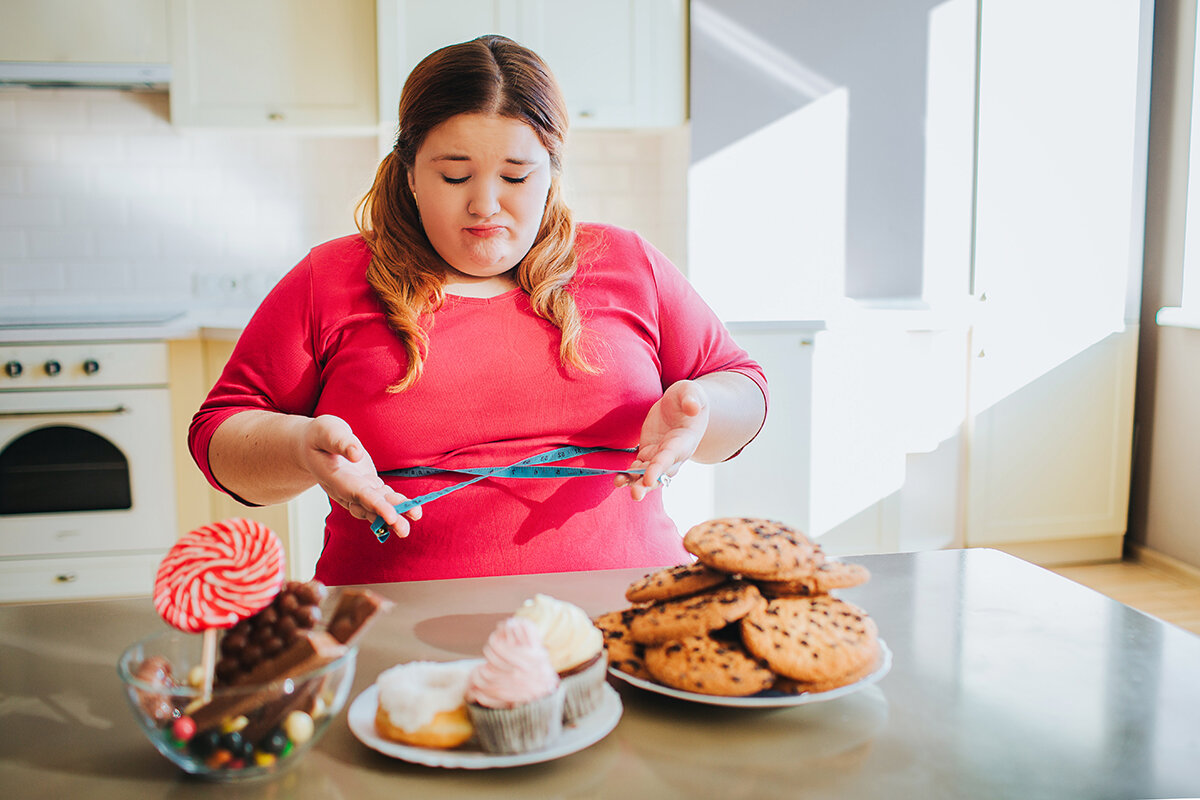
[576, 649]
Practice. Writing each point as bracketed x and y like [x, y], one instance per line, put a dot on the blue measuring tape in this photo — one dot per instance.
[526, 468]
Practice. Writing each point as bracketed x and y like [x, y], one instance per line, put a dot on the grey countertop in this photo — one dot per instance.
[1008, 681]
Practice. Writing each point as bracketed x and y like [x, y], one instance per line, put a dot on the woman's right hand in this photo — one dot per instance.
[331, 452]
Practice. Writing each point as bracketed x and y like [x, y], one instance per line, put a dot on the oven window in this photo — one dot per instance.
[62, 468]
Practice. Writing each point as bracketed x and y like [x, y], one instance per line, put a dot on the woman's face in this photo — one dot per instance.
[481, 182]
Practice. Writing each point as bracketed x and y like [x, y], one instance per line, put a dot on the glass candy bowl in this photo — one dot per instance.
[248, 731]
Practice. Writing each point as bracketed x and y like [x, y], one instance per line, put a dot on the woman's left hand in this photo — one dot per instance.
[670, 435]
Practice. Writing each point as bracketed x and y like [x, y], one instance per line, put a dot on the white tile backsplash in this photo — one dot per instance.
[102, 198]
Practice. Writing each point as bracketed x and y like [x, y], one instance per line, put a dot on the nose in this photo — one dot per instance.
[485, 200]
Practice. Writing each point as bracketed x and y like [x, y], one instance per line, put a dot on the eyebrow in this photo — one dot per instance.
[455, 157]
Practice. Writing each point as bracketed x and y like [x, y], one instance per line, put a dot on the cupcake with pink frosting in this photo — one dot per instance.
[514, 698]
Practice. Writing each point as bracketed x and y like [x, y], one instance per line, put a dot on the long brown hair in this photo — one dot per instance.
[491, 75]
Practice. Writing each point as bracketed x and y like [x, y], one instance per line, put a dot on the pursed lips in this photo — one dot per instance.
[485, 231]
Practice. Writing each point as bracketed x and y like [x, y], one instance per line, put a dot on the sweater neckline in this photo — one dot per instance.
[459, 299]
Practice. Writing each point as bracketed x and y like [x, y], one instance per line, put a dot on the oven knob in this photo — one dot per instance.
[52, 367]
[91, 366]
[13, 369]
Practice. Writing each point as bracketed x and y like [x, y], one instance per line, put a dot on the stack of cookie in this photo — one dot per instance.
[754, 613]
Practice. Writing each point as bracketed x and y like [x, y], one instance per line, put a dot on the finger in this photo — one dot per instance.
[336, 437]
[693, 400]
[638, 491]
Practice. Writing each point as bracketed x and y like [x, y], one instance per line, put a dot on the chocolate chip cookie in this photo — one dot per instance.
[623, 652]
[754, 548]
[814, 640]
[695, 615]
[830, 575]
[674, 582]
[708, 665]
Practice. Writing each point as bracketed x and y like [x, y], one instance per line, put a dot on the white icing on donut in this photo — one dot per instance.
[413, 693]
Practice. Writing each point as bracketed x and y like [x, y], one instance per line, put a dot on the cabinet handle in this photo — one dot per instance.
[66, 577]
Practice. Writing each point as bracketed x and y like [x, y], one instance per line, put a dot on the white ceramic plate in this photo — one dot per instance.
[584, 733]
[768, 699]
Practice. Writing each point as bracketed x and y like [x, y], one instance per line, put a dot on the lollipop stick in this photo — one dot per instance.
[209, 661]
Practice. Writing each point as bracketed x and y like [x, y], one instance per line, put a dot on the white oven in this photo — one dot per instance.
[87, 489]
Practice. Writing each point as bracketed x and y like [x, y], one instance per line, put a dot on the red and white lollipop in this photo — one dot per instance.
[216, 576]
[219, 574]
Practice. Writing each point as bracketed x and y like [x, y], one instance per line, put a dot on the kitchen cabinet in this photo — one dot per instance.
[278, 63]
[621, 63]
[84, 31]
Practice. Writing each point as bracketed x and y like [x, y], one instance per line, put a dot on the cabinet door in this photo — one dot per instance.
[273, 62]
[1060, 197]
[409, 30]
[84, 31]
[621, 63]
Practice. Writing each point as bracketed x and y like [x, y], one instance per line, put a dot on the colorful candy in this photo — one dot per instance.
[298, 726]
[183, 728]
[219, 574]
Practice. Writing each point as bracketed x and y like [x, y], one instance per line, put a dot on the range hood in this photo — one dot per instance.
[50, 75]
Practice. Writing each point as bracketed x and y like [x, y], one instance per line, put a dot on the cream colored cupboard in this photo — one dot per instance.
[621, 63]
[84, 31]
[279, 63]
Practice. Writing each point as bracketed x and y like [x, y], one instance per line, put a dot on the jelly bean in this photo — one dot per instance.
[274, 743]
[195, 676]
[183, 728]
[262, 759]
[299, 727]
[205, 744]
[245, 750]
[218, 759]
[232, 741]
[234, 724]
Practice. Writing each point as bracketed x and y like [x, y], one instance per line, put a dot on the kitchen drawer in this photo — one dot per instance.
[41, 579]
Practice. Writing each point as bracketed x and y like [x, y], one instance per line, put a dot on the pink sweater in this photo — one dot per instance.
[493, 392]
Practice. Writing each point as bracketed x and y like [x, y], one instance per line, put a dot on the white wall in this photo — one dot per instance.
[101, 198]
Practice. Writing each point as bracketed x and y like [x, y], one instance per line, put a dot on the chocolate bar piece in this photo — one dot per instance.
[354, 612]
[311, 651]
[273, 714]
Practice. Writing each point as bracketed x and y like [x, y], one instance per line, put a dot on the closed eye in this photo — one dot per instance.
[448, 179]
[516, 180]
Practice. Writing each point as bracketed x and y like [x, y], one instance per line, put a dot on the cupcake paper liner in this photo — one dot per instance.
[530, 726]
[585, 689]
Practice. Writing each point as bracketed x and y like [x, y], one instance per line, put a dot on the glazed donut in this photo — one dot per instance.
[423, 703]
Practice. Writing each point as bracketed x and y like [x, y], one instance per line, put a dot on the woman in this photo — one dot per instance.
[473, 324]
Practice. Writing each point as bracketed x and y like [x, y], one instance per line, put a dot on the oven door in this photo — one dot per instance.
[86, 471]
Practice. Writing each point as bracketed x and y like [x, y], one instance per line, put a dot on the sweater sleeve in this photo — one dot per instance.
[692, 340]
[273, 367]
